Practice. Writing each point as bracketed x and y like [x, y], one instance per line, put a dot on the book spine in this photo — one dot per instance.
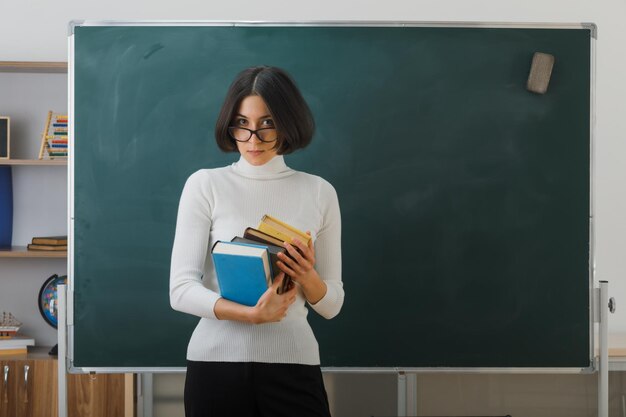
[47, 247]
[49, 242]
[259, 236]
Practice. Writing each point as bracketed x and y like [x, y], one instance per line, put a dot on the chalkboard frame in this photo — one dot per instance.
[71, 167]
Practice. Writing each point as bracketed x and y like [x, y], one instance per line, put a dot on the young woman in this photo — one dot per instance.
[262, 360]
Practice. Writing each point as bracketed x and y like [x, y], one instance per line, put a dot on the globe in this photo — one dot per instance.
[48, 299]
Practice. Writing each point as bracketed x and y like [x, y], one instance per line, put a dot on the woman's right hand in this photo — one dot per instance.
[272, 307]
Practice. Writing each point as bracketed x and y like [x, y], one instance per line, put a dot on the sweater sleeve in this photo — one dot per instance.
[193, 225]
[328, 254]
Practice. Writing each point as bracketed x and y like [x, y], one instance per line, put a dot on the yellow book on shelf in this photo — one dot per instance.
[281, 230]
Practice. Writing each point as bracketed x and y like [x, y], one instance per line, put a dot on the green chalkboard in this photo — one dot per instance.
[465, 198]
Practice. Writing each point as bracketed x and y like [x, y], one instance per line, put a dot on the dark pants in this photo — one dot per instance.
[251, 389]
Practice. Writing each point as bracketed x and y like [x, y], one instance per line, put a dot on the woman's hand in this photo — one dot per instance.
[301, 268]
[272, 307]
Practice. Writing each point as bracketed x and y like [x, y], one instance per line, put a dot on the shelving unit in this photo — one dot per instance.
[36, 185]
[35, 68]
[28, 138]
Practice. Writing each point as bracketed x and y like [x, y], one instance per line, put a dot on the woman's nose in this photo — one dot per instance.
[255, 137]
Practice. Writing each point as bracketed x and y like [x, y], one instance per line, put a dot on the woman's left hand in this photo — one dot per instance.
[301, 266]
[301, 269]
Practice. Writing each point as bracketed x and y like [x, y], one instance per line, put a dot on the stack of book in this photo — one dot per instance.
[49, 243]
[246, 266]
[10, 343]
[16, 345]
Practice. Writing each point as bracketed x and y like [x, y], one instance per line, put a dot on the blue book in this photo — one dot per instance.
[243, 271]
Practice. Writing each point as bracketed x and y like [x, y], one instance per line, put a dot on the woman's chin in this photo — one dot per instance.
[258, 157]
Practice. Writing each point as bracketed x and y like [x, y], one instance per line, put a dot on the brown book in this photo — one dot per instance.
[259, 236]
[47, 247]
[50, 240]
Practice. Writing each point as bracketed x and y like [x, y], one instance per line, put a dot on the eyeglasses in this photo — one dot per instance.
[241, 134]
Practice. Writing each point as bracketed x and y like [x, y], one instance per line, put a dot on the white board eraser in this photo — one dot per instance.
[540, 72]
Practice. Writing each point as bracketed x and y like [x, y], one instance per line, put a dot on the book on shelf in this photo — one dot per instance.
[16, 345]
[244, 271]
[281, 230]
[50, 240]
[47, 247]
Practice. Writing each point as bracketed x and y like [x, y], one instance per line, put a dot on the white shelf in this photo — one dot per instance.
[33, 66]
[34, 162]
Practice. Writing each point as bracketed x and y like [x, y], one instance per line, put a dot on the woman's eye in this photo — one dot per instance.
[268, 123]
[240, 122]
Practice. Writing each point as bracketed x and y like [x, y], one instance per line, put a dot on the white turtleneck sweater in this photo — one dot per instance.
[218, 204]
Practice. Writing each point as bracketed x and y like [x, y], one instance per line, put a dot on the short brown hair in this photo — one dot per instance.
[292, 116]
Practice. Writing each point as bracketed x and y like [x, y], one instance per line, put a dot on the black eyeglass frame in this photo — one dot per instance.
[252, 132]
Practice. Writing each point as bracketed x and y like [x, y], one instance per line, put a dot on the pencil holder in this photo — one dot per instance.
[6, 206]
